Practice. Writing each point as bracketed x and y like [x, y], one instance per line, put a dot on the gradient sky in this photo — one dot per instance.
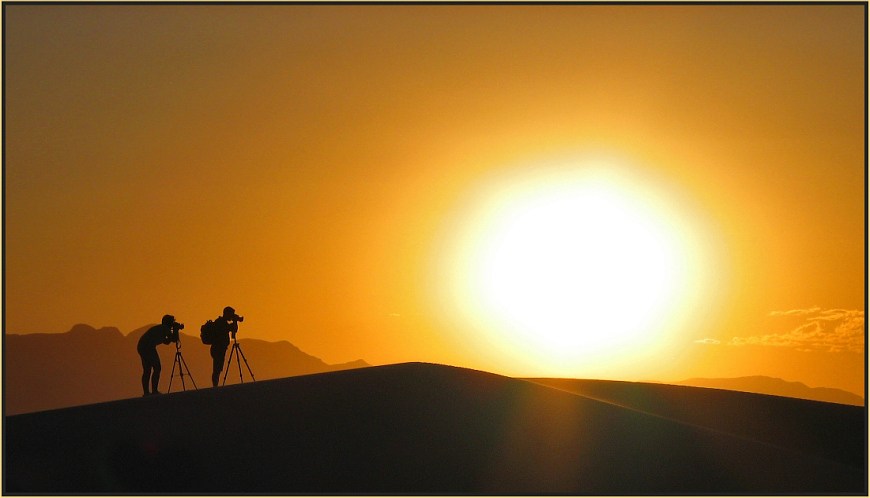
[323, 169]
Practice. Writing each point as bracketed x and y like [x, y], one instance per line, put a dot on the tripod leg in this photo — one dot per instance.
[227, 368]
[188, 371]
[246, 364]
[171, 375]
[238, 361]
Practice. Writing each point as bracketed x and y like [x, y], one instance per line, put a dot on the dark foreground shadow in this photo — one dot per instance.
[398, 429]
[813, 427]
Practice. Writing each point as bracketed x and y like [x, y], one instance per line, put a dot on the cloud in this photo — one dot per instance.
[708, 341]
[832, 331]
[795, 312]
[840, 314]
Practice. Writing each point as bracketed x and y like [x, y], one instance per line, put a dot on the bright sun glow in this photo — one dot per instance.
[586, 264]
[580, 268]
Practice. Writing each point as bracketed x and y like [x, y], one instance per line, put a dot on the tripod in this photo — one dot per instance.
[182, 365]
[237, 350]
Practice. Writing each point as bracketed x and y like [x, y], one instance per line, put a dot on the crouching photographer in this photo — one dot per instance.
[164, 333]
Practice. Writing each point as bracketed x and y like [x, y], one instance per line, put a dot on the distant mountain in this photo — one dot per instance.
[779, 387]
[88, 365]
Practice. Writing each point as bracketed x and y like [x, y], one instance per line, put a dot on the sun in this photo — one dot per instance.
[577, 268]
[569, 265]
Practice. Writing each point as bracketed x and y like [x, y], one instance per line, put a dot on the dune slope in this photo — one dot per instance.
[833, 431]
[407, 428]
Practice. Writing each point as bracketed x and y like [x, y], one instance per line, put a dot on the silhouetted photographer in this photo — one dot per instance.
[164, 333]
[220, 331]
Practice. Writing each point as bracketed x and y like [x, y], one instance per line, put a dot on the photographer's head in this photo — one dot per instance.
[230, 315]
[168, 320]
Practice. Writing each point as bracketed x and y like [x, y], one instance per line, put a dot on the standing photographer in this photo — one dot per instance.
[147, 348]
[226, 324]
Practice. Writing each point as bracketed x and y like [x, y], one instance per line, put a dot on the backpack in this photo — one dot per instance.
[208, 332]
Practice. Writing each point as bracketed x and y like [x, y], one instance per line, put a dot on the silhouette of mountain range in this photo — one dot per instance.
[778, 387]
[432, 429]
[88, 365]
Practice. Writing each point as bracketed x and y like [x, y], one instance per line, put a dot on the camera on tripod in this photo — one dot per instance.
[173, 331]
[236, 318]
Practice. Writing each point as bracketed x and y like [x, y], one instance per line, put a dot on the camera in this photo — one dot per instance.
[174, 329]
[238, 318]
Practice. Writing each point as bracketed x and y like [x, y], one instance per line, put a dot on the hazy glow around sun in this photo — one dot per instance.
[579, 262]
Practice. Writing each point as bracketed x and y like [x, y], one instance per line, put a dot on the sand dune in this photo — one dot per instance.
[407, 428]
[814, 427]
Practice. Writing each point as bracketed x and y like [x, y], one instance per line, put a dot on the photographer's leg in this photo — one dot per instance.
[217, 355]
[146, 375]
[146, 370]
[155, 377]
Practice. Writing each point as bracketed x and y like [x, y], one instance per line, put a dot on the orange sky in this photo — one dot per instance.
[317, 168]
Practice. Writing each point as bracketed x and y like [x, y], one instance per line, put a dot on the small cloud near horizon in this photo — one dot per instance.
[708, 341]
[832, 331]
[815, 309]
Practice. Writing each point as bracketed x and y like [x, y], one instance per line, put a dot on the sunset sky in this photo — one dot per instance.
[637, 192]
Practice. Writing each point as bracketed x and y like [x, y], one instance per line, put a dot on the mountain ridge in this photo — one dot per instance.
[84, 365]
[763, 384]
